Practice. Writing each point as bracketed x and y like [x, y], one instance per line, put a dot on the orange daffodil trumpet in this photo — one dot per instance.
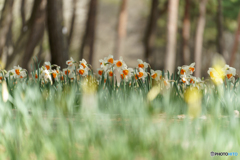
[141, 74]
[47, 65]
[120, 64]
[142, 64]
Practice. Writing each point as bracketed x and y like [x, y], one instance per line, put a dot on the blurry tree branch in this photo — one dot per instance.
[171, 35]
[220, 38]
[149, 37]
[121, 29]
[22, 10]
[57, 39]
[74, 2]
[5, 23]
[199, 37]
[236, 43]
[30, 37]
[186, 32]
[87, 46]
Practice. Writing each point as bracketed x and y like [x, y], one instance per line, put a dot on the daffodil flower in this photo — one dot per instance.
[47, 65]
[216, 75]
[141, 74]
[156, 75]
[70, 62]
[142, 64]
[100, 72]
[120, 64]
[83, 71]
[83, 64]
[17, 70]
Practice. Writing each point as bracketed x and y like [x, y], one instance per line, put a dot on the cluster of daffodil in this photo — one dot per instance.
[185, 72]
[109, 67]
[218, 73]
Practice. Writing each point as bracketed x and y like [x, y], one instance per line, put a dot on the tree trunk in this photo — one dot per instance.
[23, 17]
[57, 41]
[149, 37]
[236, 43]
[199, 37]
[87, 46]
[5, 23]
[72, 22]
[30, 37]
[220, 38]
[171, 35]
[186, 33]
[121, 30]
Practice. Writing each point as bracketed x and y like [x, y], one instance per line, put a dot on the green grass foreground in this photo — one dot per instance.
[84, 123]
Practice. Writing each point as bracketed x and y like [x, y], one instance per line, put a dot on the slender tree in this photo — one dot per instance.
[74, 2]
[23, 15]
[149, 37]
[236, 43]
[171, 35]
[57, 40]
[220, 38]
[29, 38]
[199, 37]
[87, 46]
[121, 29]
[186, 32]
[5, 23]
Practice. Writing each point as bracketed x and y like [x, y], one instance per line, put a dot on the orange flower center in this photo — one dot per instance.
[110, 73]
[84, 66]
[62, 78]
[182, 71]
[69, 62]
[154, 75]
[57, 71]
[125, 72]
[100, 72]
[119, 64]
[21, 76]
[81, 71]
[165, 83]
[136, 76]
[36, 76]
[105, 80]
[67, 72]
[122, 76]
[1, 78]
[110, 60]
[183, 81]
[140, 74]
[100, 63]
[17, 71]
[48, 67]
[54, 75]
[161, 77]
[211, 75]
[191, 81]
[140, 65]
[229, 76]
[192, 69]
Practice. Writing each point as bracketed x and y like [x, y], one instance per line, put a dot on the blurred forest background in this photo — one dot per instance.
[165, 33]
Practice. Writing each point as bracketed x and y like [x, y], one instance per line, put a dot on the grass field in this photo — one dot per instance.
[139, 119]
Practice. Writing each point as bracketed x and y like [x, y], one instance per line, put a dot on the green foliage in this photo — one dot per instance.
[54, 122]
